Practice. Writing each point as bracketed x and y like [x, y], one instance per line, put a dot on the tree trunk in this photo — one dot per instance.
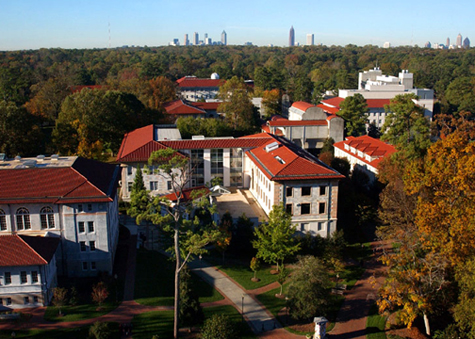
[426, 323]
[177, 285]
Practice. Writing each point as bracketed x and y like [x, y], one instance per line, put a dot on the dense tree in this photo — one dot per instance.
[461, 94]
[207, 127]
[406, 127]
[191, 312]
[47, 98]
[274, 239]
[309, 288]
[353, 110]
[219, 326]
[464, 310]
[139, 197]
[271, 102]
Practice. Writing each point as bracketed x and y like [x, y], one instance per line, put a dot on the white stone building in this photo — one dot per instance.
[192, 88]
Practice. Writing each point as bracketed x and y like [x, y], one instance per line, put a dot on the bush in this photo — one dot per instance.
[218, 327]
[102, 330]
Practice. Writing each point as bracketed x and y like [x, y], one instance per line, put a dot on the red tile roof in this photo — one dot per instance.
[294, 164]
[190, 82]
[302, 105]
[207, 106]
[334, 103]
[22, 250]
[178, 107]
[368, 145]
[282, 123]
[377, 103]
[186, 194]
[328, 109]
[85, 181]
[214, 143]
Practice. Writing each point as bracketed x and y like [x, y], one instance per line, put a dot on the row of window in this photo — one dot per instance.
[86, 265]
[153, 186]
[7, 277]
[306, 208]
[22, 217]
[26, 301]
[82, 227]
[306, 191]
[83, 247]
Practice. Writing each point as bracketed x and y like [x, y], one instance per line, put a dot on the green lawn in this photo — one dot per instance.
[161, 323]
[375, 324]
[79, 312]
[243, 275]
[154, 281]
[70, 333]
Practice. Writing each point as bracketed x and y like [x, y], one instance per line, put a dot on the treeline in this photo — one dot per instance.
[39, 81]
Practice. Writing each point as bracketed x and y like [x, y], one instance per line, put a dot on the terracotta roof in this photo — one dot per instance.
[207, 106]
[257, 136]
[190, 81]
[333, 102]
[282, 123]
[85, 181]
[290, 162]
[302, 105]
[377, 103]
[179, 107]
[134, 140]
[23, 250]
[186, 194]
[328, 109]
[214, 143]
[368, 145]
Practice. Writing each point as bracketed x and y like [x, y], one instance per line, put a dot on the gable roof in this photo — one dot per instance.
[192, 81]
[207, 106]
[84, 181]
[373, 147]
[289, 162]
[178, 107]
[24, 250]
[302, 105]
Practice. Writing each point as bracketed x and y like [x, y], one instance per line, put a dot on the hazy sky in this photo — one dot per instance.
[33, 24]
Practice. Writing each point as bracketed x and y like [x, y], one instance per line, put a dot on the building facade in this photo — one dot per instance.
[195, 89]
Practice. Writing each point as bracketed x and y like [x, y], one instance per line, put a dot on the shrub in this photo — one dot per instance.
[218, 327]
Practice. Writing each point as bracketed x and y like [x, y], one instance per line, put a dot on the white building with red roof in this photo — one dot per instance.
[275, 170]
[28, 271]
[71, 198]
[364, 153]
[192, 88]
[308, 126]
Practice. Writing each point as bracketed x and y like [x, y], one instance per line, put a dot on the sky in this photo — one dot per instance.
[34, 24]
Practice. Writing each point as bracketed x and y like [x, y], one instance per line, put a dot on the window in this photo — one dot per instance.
[47, 218]
[81, 228]
[23, 219]
[84, 265]
[319, 226]
[23, 279]
[303, 227]
[82, 245]
[321, 208]
[129, 170]
[129, 186]
[288, 208]
[305, 209]
[153, 185]
[217, 162]
[3, 221]
[169, 185]
[289, 191]
[35, 299]
[323, 190]
[26, 300]
[90, 226]
[306, 191]
[89, 207]
[8, 278]
[9, 301]
[80, 209]
[1, 301]
[92, 246]
[93, 265]
[34, 276]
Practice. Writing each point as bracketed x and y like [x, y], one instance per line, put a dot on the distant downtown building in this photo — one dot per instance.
[459, 40]
[196, 39]
[310, 40]
[291, 37]
[466, 43]
[187, 42]
[224, 38]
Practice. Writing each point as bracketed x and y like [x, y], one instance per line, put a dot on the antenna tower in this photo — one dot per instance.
[109, 34]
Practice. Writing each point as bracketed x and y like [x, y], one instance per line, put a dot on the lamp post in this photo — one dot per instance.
[242, 307]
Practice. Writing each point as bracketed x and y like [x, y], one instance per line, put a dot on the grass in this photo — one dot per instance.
[160, 323]
[70, 333]
[154, 281]
[375, 324]
[79, 312]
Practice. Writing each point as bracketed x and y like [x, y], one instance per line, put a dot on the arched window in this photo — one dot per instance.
[23, 219]
[47, 217]
[3, 221]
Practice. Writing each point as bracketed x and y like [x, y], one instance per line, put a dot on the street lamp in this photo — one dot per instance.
[242, 307]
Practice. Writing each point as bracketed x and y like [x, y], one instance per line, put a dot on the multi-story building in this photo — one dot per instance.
[28, 271]
[364, 153]
[196, 39]
[458, 42]
[192, 88]
[224, 38]
[291, 37]
[186, 41]
[308, 126]
[71, 198]
[275, 170]
[310, 40]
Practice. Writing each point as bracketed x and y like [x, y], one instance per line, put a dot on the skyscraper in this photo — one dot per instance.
[459, 40]
[196, 39]
[448, 42]
[291, 37]
[224, 38]
[186, 42]
[466, 43]
[310, 40]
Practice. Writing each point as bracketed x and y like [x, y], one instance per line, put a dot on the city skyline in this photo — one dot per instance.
[30, 24]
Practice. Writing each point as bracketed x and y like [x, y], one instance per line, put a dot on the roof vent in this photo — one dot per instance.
[272, 146]
[279, 159]
[30, 163]
[54, 157]
[40, 158]
[17, 158]
[197, 137]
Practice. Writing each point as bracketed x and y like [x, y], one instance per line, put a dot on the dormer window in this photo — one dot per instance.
[279, 159]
